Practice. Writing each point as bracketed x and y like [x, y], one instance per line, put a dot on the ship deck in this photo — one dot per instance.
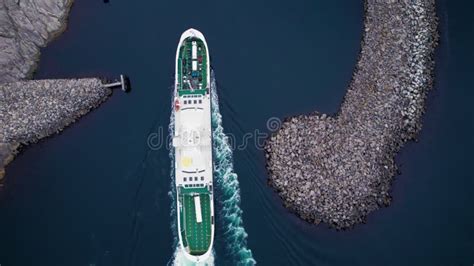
[185, 68]
[196, 236]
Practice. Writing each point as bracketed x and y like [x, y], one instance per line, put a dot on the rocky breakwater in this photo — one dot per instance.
[337, 169]
[34, 109]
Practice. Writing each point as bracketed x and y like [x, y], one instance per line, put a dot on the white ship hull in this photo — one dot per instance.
[192, 142]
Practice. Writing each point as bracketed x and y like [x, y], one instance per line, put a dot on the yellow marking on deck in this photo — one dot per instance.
[186, 161]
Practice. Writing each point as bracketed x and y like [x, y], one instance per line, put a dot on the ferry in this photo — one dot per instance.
[192, 143]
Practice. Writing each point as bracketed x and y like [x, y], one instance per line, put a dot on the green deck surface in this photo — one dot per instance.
[185, 69]
[196, 236]
[201, 190]
[187, 92]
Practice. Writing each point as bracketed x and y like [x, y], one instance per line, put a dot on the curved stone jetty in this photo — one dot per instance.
[337, 169]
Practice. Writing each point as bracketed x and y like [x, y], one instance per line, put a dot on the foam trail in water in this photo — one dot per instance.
[227, 182]
[178, 257]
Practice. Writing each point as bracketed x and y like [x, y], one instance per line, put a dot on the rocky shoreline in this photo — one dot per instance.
[25, 27]
[34, 109]
[338, 169]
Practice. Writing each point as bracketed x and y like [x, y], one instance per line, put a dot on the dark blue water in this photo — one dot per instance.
[98, 195]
